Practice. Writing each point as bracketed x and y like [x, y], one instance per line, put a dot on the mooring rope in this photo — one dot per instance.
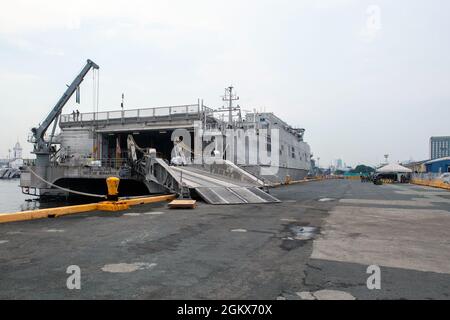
[65, 189]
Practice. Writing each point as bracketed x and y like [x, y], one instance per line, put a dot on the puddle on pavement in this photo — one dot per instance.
[297, 236]
[303, 233]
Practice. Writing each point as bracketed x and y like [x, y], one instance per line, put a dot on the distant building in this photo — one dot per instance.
[347, 169]
[17, 151]
[416, 166]
[440, 165]
[439, 147]
[339, 164]
[14, 159]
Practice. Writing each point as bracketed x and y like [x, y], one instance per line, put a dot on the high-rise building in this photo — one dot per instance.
[439, 147]
[339, 164]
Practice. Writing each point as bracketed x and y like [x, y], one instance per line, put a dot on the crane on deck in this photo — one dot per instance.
[43, 148]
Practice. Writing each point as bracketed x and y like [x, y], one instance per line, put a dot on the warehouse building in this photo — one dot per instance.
[440, 165]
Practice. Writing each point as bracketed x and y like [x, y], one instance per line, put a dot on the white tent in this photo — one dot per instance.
[394, 168]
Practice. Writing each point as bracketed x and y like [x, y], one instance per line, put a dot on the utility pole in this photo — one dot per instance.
[230, 97]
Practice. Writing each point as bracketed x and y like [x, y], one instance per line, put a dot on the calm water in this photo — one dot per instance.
[12, 199]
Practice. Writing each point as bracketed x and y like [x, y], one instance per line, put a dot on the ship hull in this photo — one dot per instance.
[280, 175]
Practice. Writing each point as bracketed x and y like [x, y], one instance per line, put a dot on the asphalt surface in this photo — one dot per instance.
[316, 244]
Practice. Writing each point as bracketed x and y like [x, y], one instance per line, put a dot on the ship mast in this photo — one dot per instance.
[230, 97]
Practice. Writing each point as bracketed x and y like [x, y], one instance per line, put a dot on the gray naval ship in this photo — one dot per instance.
[219, 154]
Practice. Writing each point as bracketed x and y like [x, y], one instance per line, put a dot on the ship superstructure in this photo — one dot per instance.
[183, 149]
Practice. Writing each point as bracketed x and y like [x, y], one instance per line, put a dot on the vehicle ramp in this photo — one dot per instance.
[220, 189]
[234, 195]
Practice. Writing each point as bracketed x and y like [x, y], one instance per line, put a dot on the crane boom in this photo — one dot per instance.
[42, 147]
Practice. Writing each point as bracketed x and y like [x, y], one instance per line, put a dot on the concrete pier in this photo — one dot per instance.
[316, 244]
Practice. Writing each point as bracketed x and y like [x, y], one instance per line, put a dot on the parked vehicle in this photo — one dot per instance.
[445, 177]
[376, 179]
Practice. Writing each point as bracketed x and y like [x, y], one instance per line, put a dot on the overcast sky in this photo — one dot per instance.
[364, 78]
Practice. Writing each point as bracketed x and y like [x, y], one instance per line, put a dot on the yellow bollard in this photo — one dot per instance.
[113, 188]
[287, 179]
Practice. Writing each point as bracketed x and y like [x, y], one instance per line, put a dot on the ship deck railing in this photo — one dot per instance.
[188, 112]
[102, 164]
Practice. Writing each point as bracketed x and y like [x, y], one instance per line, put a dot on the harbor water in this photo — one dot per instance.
[12, 199]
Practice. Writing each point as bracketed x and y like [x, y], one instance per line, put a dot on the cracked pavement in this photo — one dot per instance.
[242, 251]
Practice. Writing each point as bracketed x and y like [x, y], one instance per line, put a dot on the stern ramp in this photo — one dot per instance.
[221, 188]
